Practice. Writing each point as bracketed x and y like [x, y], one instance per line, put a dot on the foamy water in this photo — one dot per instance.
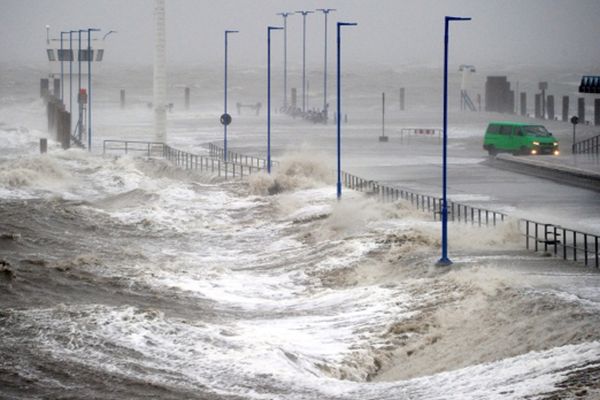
[134, 278]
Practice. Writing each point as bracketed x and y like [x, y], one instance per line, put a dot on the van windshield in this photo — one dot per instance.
[536, 130]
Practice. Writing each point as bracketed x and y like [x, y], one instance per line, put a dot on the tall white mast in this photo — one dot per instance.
[160, 74]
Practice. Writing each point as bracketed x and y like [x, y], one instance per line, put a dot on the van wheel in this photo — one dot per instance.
[492, 151]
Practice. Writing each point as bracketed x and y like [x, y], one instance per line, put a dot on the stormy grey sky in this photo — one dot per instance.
[548, 33]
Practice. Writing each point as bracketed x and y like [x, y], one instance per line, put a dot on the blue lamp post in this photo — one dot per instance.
[325, 12]
[304, 14]
[269, 29]
[89, 59]
[339, 107]
[444, 260]
[225, 112]
[285, 15]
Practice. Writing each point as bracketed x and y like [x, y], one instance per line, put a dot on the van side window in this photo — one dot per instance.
[506, 130]
[494, 129]
[519, 132]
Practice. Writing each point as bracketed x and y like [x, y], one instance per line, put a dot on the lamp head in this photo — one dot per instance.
[458, 18]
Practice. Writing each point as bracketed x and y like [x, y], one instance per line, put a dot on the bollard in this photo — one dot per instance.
[581, 110]
[43, 145]
[187, 98]
[122, 98]
[565, 108]
[596, 112]
[523, 104]
[538, 105]
[64, 128]
[44, 88]
[550, 107]
[402, 99]
[56, 88]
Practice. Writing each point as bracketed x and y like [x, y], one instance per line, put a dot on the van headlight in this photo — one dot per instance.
[556, 152]
[555, 144]
[536, 143]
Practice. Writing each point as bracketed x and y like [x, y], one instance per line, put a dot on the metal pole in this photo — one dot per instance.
[383, 114]
[89, 57]
[325, 11]
[71, 72]
[269, 29]
[304, 14]
[284, 15]
[62, 58]
[78, 126]
[339, 107]
[225, 112]
[444, 260]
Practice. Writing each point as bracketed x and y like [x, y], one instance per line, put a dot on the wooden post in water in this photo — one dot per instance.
[44, 88]
[565, 108]
[523, 104]
[581, 110]
[550, 107]
[56, 91]
[43, 145]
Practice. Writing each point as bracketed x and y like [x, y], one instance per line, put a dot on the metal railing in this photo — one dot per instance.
[553, 239]
[456, 212]
[561, 242]
[590, 145]
[210, 164]
[216, 151]
[183, 159]
[137, 146]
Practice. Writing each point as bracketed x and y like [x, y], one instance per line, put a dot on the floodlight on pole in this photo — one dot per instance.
[285, 15]
[226, 121]
[71, 72]
[62, 58]
[325, 12]
[304, 14]
[269, 29]
[444, 260]
[89, 59]
[339, 107]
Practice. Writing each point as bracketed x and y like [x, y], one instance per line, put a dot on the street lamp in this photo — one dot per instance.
[89, 59]
[80, 113]
[62, 58]
[71, 72]
[325, 12]
[285, 15]
[269, 29]
[444, 260]
[339, 106]
[304, 14]
[226, 119]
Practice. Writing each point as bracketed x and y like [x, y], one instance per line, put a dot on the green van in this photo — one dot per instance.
[519, 138]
